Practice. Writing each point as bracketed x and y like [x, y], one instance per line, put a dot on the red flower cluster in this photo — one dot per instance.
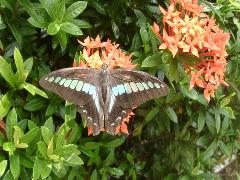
[95, 53]
[187, 30]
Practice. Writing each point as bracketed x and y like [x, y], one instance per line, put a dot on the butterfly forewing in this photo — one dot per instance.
[81, 87]
[129, 89]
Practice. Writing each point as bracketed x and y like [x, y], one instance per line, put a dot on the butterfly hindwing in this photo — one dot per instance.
[81, 87]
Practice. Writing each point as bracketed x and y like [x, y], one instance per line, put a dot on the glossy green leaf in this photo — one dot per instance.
[74, 160]
[35, 104]
[45, 169]
[53, 28]
[115, 29]
[47, 134]
[116, 172]
[11, 121]
[153, 60]
[9, 147]
[19, 64]
[14, 165]
[224, 148]
[55, 8]
[75, 10]
[115, 143]
[6, 72]
[37, 168]
[5, 105]
[98, 6]
[30, 136]
[81, 23]
[217, 119]
[16, 32]
[3, 165]
[201, 121]
[192, 94]
[227, 111]
[152, 114]
[173, 70]
[34, 90]
[171, 114]
[71, 28]
[42, 148]
[210, 150]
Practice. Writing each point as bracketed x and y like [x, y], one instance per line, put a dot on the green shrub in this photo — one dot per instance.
[180, 136]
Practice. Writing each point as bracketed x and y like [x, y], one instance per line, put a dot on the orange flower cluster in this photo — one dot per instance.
[96, 53]
[187, 30]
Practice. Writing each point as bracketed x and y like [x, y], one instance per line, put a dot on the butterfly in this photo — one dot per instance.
[104, 97]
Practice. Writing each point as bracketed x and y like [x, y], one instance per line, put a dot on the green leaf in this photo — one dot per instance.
[70, 112]
[192, 94]
[152, 114]
[74, 160]
[35, 104]
[62, 38]
[8, 176]
[6, 72]
[210, 123]
[71, 28]
[9, 147]
[47, 134]
[94, 175]
[42, 148]
[227, 111]
[171, 114]
[145, 39]
[16, 32]
[55, 8]
[5, 105]
[11, 121]
[19, 64]
[53, 28]
[35, 19]
[115, 29]
[110, 159]
[36, 168]
[25, 160]
[115, 143]
[201, 121]
[81, 23]
[116, 172]
[34, 90]
[45, 169]
[173, 70]
[66, 150]
[27, 67]
[210, 150]
[3, 165]
[14, 165]
[30, 136]
[217, 119]
[49, 124]
[224, 148]
[98, 6]
[74, 10]
[153, 60]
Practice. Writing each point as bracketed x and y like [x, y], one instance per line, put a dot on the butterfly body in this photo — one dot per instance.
[104, 96]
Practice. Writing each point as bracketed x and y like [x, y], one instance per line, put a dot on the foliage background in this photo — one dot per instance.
[179, 136]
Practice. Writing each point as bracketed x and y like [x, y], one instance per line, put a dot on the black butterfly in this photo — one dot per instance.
[104, 97]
